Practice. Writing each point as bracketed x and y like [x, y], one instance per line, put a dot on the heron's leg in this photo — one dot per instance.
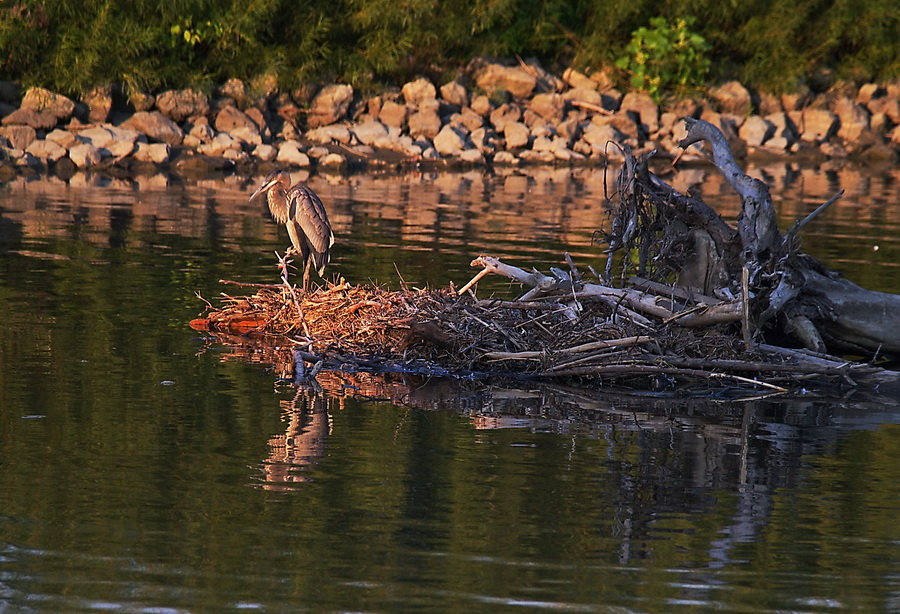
[306, 275]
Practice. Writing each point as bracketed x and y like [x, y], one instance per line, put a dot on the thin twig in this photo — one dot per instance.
[798, 226]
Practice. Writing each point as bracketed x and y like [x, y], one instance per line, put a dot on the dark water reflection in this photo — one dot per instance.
[145, 469]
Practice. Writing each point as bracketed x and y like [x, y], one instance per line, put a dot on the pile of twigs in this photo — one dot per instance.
[563, 328]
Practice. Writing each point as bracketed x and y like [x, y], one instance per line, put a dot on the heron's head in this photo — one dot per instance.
[273, 179]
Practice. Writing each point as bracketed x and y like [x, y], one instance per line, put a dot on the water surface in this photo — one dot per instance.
[145, 469]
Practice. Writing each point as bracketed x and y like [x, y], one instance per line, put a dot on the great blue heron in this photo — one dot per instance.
[303, 213]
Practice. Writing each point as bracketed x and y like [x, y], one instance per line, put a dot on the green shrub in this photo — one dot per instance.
[666, 57]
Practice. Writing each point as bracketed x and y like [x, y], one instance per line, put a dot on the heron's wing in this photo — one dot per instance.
[301, 245]
[308, 211]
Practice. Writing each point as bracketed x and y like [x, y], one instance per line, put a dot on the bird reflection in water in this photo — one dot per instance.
[303, 442]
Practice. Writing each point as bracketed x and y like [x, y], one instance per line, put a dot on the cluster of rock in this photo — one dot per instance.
[495, 114]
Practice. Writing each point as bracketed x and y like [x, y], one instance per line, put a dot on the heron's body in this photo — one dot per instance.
[301, 211]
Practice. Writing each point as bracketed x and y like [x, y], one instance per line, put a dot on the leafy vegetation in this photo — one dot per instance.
[666, 57]
[72, 46]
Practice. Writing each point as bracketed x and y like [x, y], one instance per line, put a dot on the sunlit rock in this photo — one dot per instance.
[516, 135]
[481, 104]
[815, 125]
[45, 150]
[19, 136]
[643, 106]
[549, 106]
[156, 126]
[369, 132]
[63, 138]
[425, 122]
[330, 105]
[265, 153]
[157, 153]
[99, 102]
[418, 91]
[576, 79]
[756, 130]
[85, 155]
[455, 93]
[449, 142]
[38, 120]
[490, 77]
[853, 118]
[289, 153]
[504, 114]
[40, 99]
[393, 114]
[334, 133]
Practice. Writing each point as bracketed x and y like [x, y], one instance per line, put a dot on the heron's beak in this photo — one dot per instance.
[262, 189]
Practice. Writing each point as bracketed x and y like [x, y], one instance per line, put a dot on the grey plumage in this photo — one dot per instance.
[301, 211]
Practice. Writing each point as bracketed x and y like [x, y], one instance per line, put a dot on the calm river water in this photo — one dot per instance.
[145, 469]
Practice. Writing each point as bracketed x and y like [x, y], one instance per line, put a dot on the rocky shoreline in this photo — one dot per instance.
[494, 114]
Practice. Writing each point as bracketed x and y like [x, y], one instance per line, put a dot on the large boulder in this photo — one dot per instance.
[641, 105]
[109, 140]
[733, 99]
[330, 105]
[491, 77]
[505, 114]
[40, 99]
[98, 136]
[157, 153]
[63, 138]
[853, 117]
[240, 125]
[598, 135]
[584, 95]
[418, 91]
[156, 126]
[39, 120]
[425, 122]
[85, 155]
[370, 132]
[19, 136]
[816, 125]
[455, 92]
[393, 114]
[289, 153]
[178, 105]
[549, 106]
[45, 150]
[449, 142]
[576, 79]
[755, 131]
[516, 135]
[221, 145]
[335, 133]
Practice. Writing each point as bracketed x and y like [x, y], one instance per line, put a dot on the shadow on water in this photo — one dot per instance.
[145, 469]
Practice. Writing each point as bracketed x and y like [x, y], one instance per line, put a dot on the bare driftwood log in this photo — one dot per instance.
[792, 294]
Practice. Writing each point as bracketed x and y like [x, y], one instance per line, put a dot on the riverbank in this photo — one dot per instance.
[494, 114]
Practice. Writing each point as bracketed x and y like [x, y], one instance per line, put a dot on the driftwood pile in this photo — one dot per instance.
[649, 338]
[683, 298]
